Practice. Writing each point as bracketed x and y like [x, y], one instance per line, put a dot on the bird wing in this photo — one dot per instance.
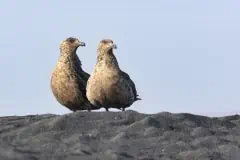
[127, 77]
[82, 76]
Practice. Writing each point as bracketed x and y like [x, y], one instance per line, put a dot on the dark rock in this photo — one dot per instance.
[119, 135]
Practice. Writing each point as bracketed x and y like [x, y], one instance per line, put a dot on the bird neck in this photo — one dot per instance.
[66, 50]
[70, 56]
[107, 57]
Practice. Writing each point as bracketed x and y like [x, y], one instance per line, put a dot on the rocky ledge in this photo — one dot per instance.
[119, 135]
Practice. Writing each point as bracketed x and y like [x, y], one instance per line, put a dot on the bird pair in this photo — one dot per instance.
[107, 87]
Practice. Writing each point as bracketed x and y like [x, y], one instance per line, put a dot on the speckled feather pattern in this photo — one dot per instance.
[109, 86]
[68, 81]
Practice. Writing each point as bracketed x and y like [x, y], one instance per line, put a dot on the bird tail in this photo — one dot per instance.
[137, 98]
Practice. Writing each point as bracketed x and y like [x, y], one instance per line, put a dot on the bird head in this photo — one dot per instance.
[106, 45]
[71, 44]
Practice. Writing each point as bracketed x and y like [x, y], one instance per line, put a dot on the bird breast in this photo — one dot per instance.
[108, 87]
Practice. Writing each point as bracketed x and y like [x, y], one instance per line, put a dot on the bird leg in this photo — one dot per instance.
[106, 109]
[89, 108]
[123, 109]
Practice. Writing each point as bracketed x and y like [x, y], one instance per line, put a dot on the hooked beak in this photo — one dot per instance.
[82, 44]
[114, 46]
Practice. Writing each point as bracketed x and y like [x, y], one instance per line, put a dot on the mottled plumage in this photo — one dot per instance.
[109, 86]
[68, 81]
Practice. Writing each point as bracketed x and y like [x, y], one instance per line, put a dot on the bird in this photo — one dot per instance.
[68, 79]
[108, 86]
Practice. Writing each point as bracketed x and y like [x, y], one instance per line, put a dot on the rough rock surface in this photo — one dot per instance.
[119, 135]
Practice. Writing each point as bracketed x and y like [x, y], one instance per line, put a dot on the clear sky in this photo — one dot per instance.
[184, 56]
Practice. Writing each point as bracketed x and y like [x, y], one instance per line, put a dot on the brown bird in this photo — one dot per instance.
[109, 86]
[69, 80]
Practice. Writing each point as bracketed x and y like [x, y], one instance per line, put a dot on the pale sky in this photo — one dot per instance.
[183, 55]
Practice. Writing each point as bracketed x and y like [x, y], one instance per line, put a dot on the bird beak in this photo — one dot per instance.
[82, 44]
[114, 46]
